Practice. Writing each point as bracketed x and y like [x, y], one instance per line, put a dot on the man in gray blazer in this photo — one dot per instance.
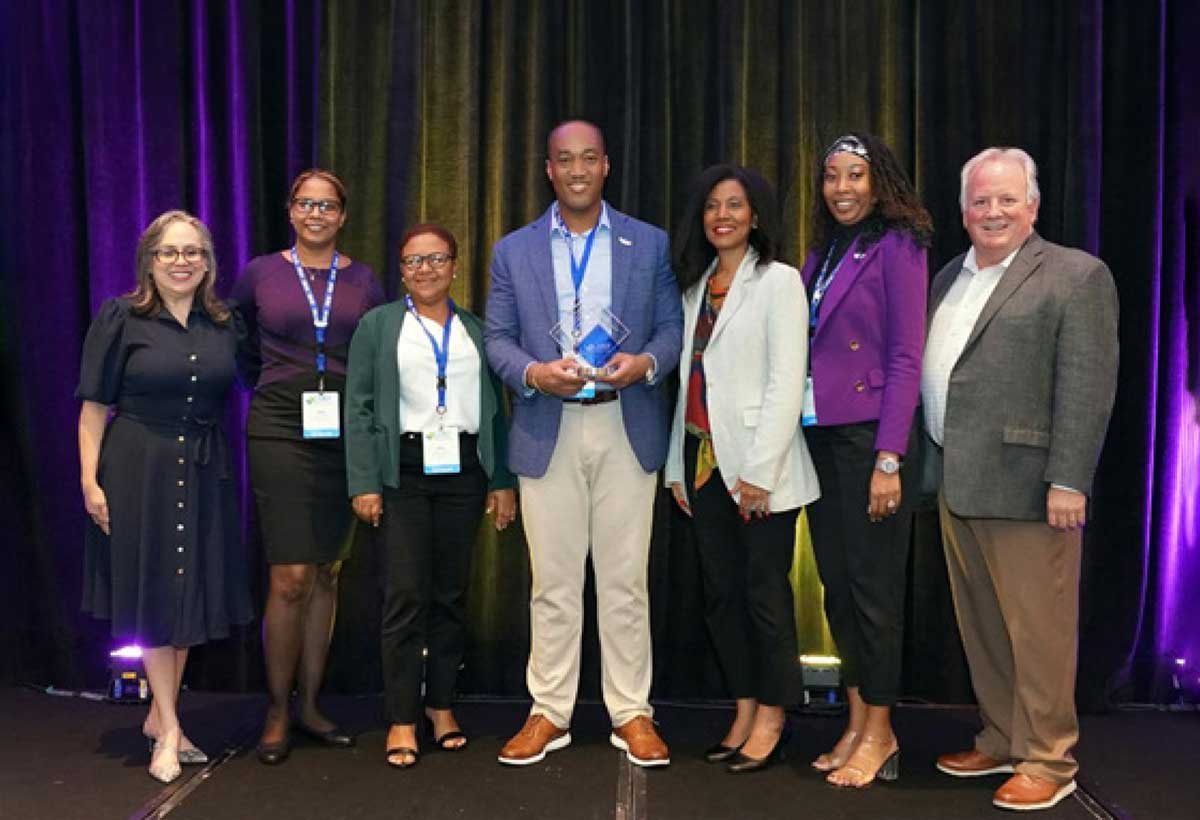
[1018, 383]
[586, 452]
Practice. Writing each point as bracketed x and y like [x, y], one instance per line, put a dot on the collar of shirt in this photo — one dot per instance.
[559, 226]
[972, 264]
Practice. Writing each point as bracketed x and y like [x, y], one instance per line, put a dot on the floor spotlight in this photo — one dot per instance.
[822, 676]
[126, 676]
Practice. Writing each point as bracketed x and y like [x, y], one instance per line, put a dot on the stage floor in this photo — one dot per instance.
[65, 757]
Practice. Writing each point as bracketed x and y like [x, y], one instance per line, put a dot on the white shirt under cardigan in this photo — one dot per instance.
[418, 377]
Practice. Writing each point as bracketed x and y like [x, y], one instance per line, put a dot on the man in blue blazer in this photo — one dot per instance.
[586, 453]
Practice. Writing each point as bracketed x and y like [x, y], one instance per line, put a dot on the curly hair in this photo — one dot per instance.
[691, 252]
[898, 208]
[145, 298]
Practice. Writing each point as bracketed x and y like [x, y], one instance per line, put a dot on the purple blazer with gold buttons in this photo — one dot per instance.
[865, 354]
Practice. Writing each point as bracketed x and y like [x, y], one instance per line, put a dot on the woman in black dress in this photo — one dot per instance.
[301, 306]
[163, 558]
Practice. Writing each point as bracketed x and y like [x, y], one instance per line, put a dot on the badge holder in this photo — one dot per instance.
[439, 448]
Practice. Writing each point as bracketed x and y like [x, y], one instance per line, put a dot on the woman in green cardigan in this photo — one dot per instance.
[426, 453]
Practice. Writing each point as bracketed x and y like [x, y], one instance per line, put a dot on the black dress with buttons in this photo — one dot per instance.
[173, 571]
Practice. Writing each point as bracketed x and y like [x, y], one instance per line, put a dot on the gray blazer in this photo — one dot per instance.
[1031, 395]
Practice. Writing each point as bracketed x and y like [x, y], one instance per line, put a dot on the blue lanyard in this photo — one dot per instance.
[441, 355]
[320, 320]
[824, 278]
[578, 269]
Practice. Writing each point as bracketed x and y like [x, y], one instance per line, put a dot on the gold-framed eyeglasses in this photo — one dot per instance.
[437, 261]
[324, 206]
[168, 256]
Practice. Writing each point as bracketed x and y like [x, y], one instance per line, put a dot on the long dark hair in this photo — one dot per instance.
[691, 251]
[145, 299]
[898, 208]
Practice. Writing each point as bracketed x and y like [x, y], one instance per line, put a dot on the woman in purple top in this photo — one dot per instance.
[866, 278]
[301, 307]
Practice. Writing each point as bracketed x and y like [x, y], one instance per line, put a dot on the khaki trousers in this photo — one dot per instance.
[594, 496]
[1016, 594]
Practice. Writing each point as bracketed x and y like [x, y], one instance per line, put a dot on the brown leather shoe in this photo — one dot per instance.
[530, 745]
[972, 764]
[641, 743]
[1024, 792]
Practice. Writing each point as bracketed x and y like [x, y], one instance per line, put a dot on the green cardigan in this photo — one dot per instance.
[373, 405]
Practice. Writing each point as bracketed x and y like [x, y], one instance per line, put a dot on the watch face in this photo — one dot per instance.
[888, 465]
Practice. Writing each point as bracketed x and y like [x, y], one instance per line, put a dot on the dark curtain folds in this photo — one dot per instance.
[438, 111]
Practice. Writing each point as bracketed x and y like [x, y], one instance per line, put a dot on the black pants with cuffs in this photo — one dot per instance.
[748, 603]
[428, 528]
[862, 565]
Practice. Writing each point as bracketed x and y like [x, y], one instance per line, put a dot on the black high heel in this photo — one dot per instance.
[719, 752]
[441, 742]
[743, 764]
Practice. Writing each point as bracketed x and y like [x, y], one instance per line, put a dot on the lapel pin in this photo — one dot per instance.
[858, 256]
[624, 241]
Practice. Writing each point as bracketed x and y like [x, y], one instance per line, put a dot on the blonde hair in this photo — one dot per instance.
[145, 298]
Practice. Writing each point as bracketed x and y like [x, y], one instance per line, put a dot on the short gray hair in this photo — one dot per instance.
[1032, 192]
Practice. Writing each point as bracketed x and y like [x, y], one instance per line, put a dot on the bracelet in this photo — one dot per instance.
[532, 381]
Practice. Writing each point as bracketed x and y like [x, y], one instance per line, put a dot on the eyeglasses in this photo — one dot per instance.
[325, 206]
[414, 261]
[168, 256]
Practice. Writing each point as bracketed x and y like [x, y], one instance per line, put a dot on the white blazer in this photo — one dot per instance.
[754, 367]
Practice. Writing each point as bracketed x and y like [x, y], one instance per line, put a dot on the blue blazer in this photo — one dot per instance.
[522, 307]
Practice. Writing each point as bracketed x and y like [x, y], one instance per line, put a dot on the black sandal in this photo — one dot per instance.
[402, 763]
[444, 739]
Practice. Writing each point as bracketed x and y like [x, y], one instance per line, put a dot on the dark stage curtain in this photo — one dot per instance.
[439, 111]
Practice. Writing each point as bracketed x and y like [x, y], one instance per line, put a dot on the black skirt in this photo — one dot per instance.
[299, 484]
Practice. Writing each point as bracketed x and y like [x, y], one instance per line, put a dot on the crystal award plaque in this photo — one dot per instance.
[593, 346]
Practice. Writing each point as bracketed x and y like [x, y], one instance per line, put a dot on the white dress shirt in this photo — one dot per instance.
[948, 333]
[418, 377]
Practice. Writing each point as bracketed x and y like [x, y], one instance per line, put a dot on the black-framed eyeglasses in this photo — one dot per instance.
[325, 206]
[414, 261]
[168, 256]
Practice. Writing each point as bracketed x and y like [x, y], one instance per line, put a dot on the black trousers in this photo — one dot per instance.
[862, 565]
[428, 528]
[748, 604]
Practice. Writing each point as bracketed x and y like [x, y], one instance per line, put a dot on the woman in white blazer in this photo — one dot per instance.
[737, 463]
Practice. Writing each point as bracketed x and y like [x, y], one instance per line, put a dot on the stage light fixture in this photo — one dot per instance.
[127, 676]
[822, 677]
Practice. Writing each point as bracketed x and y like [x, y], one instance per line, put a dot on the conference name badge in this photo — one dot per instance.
[440, 453]
[319, 414]
[808, 414]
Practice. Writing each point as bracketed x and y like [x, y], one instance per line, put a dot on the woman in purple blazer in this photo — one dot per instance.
[866, 279]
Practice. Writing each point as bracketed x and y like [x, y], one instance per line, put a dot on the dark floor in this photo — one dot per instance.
[73, 758]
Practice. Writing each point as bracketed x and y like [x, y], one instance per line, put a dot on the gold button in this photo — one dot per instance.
[854, 344]
[859, 387]
[181, 439]
[193, 377]
[180, 460]
[179, 527]
[179, 571]
[192, 357]
[179, 549]
[179, 482]
[179, 505]
[189, 401]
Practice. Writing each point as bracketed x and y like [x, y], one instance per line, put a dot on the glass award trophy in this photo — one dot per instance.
[599, 337]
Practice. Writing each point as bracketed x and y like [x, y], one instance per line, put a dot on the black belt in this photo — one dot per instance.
[602, 397]
[413, 438]
[208, 437]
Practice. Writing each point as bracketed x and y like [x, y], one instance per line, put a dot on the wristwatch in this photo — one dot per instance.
[887, 465]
